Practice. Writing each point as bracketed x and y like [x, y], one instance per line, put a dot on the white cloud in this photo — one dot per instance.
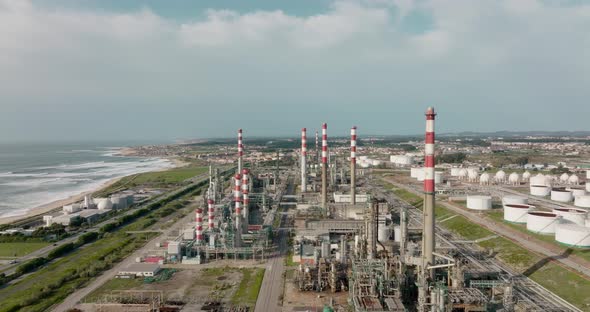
[526, 54]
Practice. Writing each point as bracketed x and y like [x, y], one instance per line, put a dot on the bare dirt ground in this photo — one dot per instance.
[295, 300]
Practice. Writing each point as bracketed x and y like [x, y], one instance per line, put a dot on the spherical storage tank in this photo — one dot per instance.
[479, 202]
[517, 213]
[538, 179]
[455, 171]
[484, 179]
[561, 195]
[500, 176]
[573, 179]
[571, 234]
[513, 178]
[104, 203]
[541, 222]
[540, 190]
[564, 178]
[515, 200]
[577, 216]
[526, 176]
[582, 201]
[463, 173]
[472, 175]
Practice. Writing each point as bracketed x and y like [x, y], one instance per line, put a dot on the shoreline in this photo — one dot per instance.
[59, 203]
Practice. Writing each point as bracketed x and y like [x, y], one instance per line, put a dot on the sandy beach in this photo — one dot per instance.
[58, 204]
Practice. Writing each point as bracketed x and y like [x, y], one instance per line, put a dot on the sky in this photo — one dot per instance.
[180, 69]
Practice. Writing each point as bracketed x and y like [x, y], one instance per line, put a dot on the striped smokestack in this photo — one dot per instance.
[199, 229]
[238, 203]
[240, 150]
[353, 165]
[317, 151]
[245, 194]
[211, 214]
[325, 167]
[303, 160]
[428, 242]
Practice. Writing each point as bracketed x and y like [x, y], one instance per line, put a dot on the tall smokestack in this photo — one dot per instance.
[240, 151]
[317, 151]
[303, 160]
[245, 194]
[353, 165]
[325, 167]
[211, 214]
[199, 229]
[428, 241]
[238, 201]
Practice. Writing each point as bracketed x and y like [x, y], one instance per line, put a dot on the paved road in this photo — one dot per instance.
[272, 283]
[574, 263]
[77, 296]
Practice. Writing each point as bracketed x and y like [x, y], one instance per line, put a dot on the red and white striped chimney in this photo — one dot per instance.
[428, 239]
[353, 165]
[245, 193]
[240, 150]
[317, 150]
[303, 160]
[211, 214]
[325, 167]
[199, 229]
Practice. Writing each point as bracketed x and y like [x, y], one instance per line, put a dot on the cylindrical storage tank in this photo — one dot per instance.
[588, 175]
[577, 191]
[383, 234]
[397, 233]
[438, 177]
[414, 171]
[577, 216]
[540, 190]
[517, 213]
[514, 200]
[104, 203]
[572, 235]
[479, 202]
[420, 175]
[455, 171]
[588, 223]
[588, 186]
[582, 201]
[561, 195]
[538, 179]
[541, 222]
[119, 202]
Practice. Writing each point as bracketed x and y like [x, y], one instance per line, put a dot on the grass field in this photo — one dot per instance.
[247, 292]
[563, 282]
[154, 179]
[11, 250]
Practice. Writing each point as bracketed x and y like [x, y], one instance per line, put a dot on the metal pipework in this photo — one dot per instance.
[303, 160]
[240, 151]
[353, 165]
[325, 167]
[428, 240]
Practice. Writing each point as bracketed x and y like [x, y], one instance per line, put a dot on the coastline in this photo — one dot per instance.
[59, 203]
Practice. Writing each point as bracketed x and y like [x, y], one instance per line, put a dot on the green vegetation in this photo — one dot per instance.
[111, 285]
[53, 282]
[19, 249]
[563, 282]
[249, 287]
[158, 179]
[451, 158]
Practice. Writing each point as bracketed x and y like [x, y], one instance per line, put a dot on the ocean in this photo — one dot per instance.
[32, 175]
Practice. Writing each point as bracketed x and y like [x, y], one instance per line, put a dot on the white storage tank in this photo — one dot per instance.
[515, 200]
[174, 248]
[119, 202]
[577, 216]
[564, 178]
[484, 179]
[500, 176]
[479, 202]
[541, 222]
[517, 213]
[526, 176]
[421, 175]
[463, 173]
[588, 174]
[455, 171]
[383, 234]
[473, 176]
[514, 178]
[540, 190]
[67, 209]
[574, 180]
[561, 195]
[415, 171]
[538, 179]
[573, 235]
[588, 186]
[576, 191]
[438, 177]
[582, 201]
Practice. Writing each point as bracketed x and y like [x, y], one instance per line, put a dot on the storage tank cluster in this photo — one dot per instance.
[570, 226]
[366, 162]
[418, 174]
[479, 202]
[401, 160]
[118, 201]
